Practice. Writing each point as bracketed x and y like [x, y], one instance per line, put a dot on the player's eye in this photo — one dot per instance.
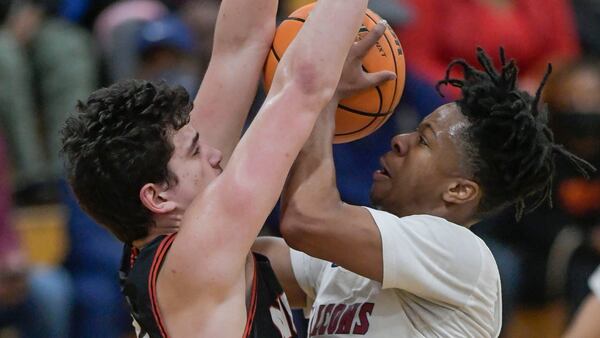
[196, 151]
[423, 141]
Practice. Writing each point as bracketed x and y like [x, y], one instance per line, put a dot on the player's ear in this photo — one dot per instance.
[461, 191]
[152, 196]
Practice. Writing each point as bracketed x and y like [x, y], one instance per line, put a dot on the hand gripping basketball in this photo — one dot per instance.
[354, 77]
[364, 112]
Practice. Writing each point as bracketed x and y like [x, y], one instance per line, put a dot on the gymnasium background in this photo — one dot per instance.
[58, 269]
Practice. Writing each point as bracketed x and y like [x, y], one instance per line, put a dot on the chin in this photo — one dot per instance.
[376, 202]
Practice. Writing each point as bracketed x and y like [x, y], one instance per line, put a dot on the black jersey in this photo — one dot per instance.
[269, 314]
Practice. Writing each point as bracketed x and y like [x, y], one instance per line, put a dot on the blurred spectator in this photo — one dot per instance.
[34, 299]
[117, 30]
[46, 65]
[167, 47]
[574, 100]
[93, 261]
[533, 32]
[586, 325]
[141, 39]
[393, 11]
[201, 17]
[587, 15]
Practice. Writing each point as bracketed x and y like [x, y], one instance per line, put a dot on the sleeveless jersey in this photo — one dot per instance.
[269, 314]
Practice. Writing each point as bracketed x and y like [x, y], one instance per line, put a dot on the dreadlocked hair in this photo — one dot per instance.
[509, 147]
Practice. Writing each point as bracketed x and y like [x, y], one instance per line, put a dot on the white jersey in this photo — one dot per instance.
[594, 282]
[439, 280]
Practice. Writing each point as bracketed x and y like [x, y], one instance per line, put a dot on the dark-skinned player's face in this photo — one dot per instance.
[421, 165]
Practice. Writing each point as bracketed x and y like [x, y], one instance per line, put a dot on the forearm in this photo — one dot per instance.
[311, 187]
[242, 39]
[245, 23]
[316, 57]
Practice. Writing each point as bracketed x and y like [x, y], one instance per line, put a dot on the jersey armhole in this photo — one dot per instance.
[253, 301]
[157, 262]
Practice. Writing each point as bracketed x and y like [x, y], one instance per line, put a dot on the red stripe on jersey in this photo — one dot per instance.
[252, 310]
[165, 244]
[134, 254]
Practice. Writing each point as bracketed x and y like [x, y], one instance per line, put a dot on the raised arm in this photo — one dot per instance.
[243, 36]
[221, 224]
[314, 219]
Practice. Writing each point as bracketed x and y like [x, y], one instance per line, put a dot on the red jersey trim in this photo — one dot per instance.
[163, 247]
[252, 310]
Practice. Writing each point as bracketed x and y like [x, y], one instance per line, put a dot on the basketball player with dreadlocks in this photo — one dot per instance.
[185, 196]
[413, 268]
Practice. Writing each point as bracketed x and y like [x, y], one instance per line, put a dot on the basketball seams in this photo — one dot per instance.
[358, 130]
[362, 113]
[371, 110]
[275, 54]
[293, 18]
[384, 119]
[378, 92]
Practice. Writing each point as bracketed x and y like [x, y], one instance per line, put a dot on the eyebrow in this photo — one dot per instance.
[194, 142]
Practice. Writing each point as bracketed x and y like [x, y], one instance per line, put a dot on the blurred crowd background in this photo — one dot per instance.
[58, 269]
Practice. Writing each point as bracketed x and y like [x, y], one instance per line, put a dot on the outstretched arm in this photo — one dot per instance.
[223, 221]
[243, 36]
[314, 219]
[353, 79]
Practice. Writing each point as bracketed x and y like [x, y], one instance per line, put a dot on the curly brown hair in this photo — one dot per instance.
[119, 140]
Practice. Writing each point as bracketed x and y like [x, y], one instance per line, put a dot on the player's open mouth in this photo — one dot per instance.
[383, 171]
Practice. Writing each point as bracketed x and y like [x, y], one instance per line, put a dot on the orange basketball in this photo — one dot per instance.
[362, 114]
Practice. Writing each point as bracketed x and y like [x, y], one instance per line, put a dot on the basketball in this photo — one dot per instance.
[363, 113]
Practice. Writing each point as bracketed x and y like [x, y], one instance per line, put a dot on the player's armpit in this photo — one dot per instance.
[343, 234]
[278, 253]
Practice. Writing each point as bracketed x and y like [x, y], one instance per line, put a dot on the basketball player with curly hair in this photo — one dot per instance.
[412, 268]
[168, 179]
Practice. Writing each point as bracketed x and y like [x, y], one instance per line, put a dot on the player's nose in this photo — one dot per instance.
[215, 157]
[400, 144]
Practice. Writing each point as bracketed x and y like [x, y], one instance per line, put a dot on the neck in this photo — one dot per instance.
[153, 232]
[141, 243]
[462, 216]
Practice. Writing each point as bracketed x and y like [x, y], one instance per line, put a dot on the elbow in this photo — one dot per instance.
[301, 78]
[304, 230]
[312, 81]
[295, 229]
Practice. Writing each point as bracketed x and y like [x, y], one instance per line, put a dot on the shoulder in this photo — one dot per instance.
[433, 227]
[431, 240]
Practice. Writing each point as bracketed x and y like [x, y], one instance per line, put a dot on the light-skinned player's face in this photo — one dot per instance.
[194, 163]
[421, 165]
